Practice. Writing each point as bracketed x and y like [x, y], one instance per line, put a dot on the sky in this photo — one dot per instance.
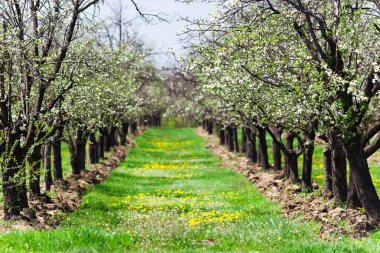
[161, 35]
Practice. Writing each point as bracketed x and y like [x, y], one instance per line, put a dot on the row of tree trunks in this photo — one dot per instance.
[151, 120]
[231, 138]
[208, 125]
[78, 152]
[359, 192]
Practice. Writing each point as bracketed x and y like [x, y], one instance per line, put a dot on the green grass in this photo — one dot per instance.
[170, 195]
[318, 167]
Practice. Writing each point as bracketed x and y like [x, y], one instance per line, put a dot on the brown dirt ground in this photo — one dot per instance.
[335, 221]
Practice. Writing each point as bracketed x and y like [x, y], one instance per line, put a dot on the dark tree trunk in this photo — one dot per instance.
[339, 170]
[251, 145]
[291, 163]
[222, 137]
[9, 170]
[327, 160]
[57, 156]
[124, 133]
[276, 150]
[263, 150]
[226, 137]
[102, 144]
[93, 149]
[21, 181]
[307, 166]
[47, 167]
[210, 126]
[35, 171]
[235, 139]
[353, 200]
[243, 148]
[293, 167]
[362, 178]
[78, 152]
[230, 134]
[134, 128]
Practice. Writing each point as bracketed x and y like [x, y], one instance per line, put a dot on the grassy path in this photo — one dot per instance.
[170, 195]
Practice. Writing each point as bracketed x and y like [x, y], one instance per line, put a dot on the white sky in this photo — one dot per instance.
[162, 35]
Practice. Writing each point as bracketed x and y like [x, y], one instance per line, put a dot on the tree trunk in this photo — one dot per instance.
[307, 166]
[35, 171]
[230, 134]
[235, 139]
[339, 170]
[264, 161]
[101, 144]
[124, 133]
[291, 163]
[251, 145]
[93, 149]
[209, 126]
[78, 152]
[362, 178]
[243, 148]
[276, 150]
[226, 137]
[134, 128]
[47, 167]
[57, 156]
[9, 171]
[222, 137]
[353, 200]
[328, 171]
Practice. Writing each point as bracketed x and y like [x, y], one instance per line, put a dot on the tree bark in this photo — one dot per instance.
[362, 178]
[276, 150]
[307, 166]
[291, 163]
[47, 167]
[134, 127]
[78, 152]
[235, 139]
[353, 200]
[57, 156]
[243, 148]
[251, 145]
[35, 171]
[123, 133]
[339, 170]
[222, 138]
[264, 161]
[210, 126]
[327, 160]
[230, 134]
[101, 144]
[93, 149]
[9, 171]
